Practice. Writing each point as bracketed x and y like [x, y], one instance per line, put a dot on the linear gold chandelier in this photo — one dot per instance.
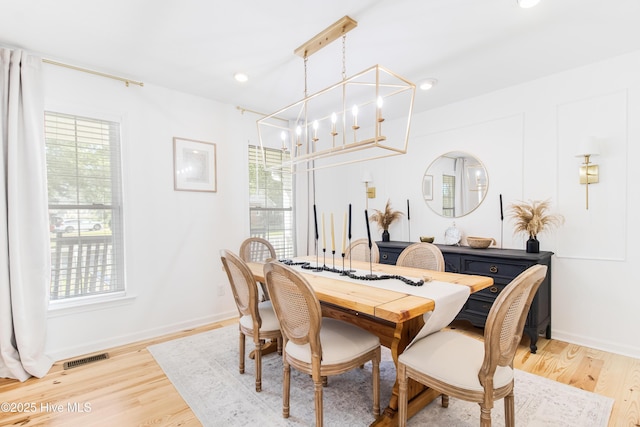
[345, 122]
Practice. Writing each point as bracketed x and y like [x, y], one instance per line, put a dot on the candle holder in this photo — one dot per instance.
[333, 257]
[324, 258]
[371, 275]
[343, 272]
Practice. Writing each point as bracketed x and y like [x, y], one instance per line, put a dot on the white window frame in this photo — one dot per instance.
[123, 294]
[282, 237]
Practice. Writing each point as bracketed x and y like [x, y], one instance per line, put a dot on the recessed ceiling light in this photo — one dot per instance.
[525, 4]
[427, 84]
[241, 77]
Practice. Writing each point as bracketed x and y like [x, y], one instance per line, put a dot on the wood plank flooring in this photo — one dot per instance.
[130, 389]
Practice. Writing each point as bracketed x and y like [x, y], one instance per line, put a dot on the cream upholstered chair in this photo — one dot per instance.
[257, 249]
[315, 345]
[257, 320]
[422, 255]
[466, 368]
[358, 250]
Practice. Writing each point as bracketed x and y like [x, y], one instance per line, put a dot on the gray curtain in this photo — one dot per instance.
[24, 225]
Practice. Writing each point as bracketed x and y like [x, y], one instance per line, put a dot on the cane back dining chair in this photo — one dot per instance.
[257, 249]
[257, 320]
[422, 255]
[467, 368]
[359, 250]
[313, 344]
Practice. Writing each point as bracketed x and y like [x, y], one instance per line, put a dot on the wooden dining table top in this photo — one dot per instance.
[384, 304]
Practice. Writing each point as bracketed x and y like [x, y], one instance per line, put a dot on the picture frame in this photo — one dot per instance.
[194, 165]
[427, 187]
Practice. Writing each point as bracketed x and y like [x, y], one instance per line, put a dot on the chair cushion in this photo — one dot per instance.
[341, 342]
[452, 358]
[268, 316]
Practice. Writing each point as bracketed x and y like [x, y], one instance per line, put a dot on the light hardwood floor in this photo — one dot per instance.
[130, 389]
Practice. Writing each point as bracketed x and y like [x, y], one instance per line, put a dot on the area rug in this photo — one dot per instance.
[204, 370]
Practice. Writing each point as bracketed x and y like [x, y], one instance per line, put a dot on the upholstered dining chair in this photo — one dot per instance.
[257, 249]
[422, 255]
[257, 320]
[467, 368]
[313, 344]
[359, 250]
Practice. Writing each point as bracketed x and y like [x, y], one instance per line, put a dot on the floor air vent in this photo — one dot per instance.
[79, 362]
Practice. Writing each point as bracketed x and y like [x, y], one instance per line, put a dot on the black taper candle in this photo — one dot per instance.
[315, 220]
[366, 219]
[501, 212]
[408, 213]
[349, 221]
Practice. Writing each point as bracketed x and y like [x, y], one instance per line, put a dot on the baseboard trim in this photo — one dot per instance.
[102, 345]
[604, 345]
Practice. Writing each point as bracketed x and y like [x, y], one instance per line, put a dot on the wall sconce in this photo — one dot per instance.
[589, 173]
[369, 191]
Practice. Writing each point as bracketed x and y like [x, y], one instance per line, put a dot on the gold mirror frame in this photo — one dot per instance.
[455, 184]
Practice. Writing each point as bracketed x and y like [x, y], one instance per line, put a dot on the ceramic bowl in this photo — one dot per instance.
[480, 242]
[426, 239]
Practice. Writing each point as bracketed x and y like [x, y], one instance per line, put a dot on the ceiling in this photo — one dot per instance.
[195, 46]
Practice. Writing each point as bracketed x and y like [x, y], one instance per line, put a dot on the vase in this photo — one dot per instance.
[385, 236]
[533, 245]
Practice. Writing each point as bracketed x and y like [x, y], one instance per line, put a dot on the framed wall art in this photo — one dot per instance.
[427, 187]
[194, 165]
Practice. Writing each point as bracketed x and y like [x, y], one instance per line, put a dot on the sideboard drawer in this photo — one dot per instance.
[491, 292]
[478, 306]
[502, 271]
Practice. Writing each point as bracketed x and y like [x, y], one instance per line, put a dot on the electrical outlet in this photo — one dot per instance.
[220, 290]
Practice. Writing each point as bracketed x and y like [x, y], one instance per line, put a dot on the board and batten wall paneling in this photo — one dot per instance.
[600, 231]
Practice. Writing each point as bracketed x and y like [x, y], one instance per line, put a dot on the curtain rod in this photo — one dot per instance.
[97, 73]
[243, 110]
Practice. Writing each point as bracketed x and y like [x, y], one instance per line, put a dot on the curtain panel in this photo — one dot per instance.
[24, 225]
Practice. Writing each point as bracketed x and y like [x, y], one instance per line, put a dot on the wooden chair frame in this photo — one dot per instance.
[245, 293]
[300, 319]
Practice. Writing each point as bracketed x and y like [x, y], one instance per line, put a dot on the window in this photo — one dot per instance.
[448, 195]
[85, 206]
[271, 199]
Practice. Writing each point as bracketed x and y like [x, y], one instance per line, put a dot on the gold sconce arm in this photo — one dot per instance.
[589, 174]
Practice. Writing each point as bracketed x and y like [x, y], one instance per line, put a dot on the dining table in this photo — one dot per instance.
[396, 317]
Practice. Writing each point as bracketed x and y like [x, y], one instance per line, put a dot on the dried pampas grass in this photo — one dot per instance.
[386, 217]
[532, 217]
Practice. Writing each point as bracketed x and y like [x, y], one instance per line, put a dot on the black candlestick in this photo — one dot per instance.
[366, 219]
[315, 220]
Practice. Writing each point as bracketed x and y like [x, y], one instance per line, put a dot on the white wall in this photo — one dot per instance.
[527, 137]
[172, 238]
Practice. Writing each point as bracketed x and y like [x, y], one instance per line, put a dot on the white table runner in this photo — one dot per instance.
[448, 297]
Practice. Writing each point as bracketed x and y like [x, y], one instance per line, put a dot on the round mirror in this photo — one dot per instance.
[455, 184]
